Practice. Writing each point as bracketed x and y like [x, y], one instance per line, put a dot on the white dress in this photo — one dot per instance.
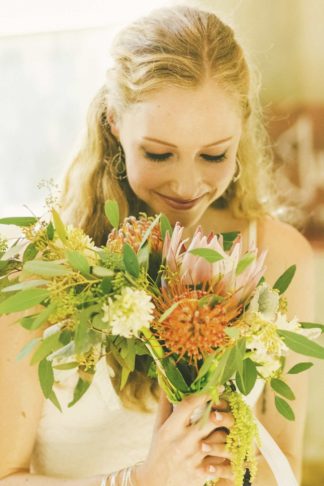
[98, 435]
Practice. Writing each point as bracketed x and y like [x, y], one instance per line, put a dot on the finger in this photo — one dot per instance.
[223, 471]
[221, 405]
[183, 410]
[164, 411]
[217, 436]
[222, 419]
[217, 450]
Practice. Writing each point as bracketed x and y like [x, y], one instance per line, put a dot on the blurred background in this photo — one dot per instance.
[53, 58]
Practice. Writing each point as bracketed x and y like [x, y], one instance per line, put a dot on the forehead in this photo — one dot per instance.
[175, 112]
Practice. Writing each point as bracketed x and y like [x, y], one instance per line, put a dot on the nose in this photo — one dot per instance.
[186, 182]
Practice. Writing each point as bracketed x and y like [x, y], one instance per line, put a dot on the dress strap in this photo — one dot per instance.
[253, 232]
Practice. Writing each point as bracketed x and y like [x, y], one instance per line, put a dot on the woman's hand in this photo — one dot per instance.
[176, 456]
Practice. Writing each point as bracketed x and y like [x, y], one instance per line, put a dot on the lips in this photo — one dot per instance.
[179, 203]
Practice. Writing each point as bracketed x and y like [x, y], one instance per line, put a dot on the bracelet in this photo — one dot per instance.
[126, 476]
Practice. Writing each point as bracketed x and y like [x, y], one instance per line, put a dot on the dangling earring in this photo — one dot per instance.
[118, 166]
[238, 171]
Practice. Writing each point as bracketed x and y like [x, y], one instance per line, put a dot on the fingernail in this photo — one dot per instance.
[218, 416]
[205, 447]
[212, 469]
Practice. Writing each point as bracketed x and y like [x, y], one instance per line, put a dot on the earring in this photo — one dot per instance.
[118, 166]
[238, 171]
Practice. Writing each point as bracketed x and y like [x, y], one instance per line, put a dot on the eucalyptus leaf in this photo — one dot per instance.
[284, 408]
[50, 231]
[27, 348]
[30, 252]
[284, 280]
[43, 316]
[46, 377]
[244, 262]
[47, 269]
[79, 390]
[299, 368]
[46, 347]
[246, 380]
[149, 230]
[19, 220]
[226, 367]
[301, 344]
[165, 226]
[54, 400]
[28, 284]
[112, 212]
[78, 261]
[282, 388]
[100, 271]
[232, 332]
[229, 238]
[312, 325]
[59, 226]
[174, 375]
[168, 311]
[23, 300]
[66, 366]
[130, 260]
[208, 254]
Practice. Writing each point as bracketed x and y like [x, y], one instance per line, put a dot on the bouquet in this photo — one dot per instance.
[198, 312]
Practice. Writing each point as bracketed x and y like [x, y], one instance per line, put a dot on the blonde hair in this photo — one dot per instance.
[180, 46]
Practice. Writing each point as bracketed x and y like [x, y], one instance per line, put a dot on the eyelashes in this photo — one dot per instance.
[166, 156]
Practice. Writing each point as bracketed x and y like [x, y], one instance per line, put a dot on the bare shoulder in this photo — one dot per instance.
[283, 241]
[286, 246]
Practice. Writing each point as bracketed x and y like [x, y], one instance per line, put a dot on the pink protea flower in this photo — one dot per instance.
[223, 275]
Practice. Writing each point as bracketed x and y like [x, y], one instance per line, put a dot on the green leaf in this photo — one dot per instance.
[124, 377]
[50, 231]
[46, 377]
[245, 262]
[28, 284]
[165, 226]
[19, 221]
[246, 380]
[284, 280]
[300, 367]
[169, 311]
[81, 333]
[312, 325]
[210, 300]
[30, 252]
[46, 347]
[284, 408]
[78, 261]
[27, 349]
[59, 226]
[99, 271]
[149, 230]
[43, 316]
[282, 388]
[23, 300]
[80, 389]
[232, 332]
[112, 212]
[239, 355]
[54, 400]
[49, 269]
[226, 367]
[207, 363]
[143, 256]
[174, 375]
[208, 254]
[106, 285]
[228, 239]
[66, 366]
[301, 344]
[130, 260]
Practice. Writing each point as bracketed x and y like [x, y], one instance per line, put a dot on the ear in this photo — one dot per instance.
[113, 125]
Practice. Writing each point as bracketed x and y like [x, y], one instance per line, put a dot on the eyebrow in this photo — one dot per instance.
[172, 145]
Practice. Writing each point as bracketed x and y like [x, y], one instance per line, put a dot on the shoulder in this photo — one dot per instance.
[283, 241]
[285, 247]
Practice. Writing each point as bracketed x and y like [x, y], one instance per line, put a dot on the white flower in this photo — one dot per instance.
[128, 312]
[265, 301]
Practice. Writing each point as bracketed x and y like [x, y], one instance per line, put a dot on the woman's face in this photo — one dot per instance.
[180, 148]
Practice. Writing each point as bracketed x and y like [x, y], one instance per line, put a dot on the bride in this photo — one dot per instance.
[176, 128]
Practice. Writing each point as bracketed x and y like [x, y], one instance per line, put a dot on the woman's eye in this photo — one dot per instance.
[215, 158]
[150, 155]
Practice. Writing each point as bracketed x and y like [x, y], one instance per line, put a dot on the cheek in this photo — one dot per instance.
[140, 175]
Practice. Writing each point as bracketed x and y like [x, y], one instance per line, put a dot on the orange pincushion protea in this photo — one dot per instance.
[193, 329]
[132, 232]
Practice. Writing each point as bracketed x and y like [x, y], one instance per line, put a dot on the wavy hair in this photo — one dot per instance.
[179, 46]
